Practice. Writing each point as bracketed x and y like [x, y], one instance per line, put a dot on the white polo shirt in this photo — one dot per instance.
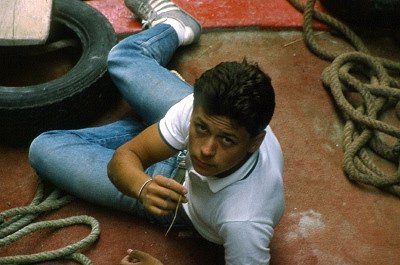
[241, 210]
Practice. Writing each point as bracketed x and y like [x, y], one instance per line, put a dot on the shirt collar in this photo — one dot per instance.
[216, 184]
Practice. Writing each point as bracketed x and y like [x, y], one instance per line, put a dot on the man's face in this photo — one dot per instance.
[217, 146]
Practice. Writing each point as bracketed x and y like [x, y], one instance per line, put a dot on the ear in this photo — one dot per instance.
[256, 141]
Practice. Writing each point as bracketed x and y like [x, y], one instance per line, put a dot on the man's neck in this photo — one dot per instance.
[233, 169]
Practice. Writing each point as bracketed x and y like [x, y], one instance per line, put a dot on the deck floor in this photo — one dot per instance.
[328, 219]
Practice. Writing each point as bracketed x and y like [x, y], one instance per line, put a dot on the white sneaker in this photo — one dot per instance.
[153, 12]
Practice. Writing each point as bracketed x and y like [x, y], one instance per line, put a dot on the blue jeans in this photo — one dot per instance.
[76, 160]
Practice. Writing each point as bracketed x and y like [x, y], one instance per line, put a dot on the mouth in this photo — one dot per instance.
[201, 164]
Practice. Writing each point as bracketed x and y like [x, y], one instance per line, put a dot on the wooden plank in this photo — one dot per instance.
[24, 22]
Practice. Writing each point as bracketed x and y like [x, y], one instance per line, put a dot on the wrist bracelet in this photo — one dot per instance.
[142, 188]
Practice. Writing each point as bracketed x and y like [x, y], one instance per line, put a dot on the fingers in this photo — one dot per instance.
[162, 195]
[160, 206]
[170, 184]
[139, 257]
[128, 260]
[133, 257]
[167, 189]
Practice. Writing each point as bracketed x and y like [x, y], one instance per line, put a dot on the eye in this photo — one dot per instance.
[200, 128]
[227, 141]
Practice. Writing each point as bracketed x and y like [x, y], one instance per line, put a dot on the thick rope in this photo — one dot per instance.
[374, 80]
[16, 224]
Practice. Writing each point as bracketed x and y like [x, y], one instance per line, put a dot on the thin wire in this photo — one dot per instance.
[176, 213]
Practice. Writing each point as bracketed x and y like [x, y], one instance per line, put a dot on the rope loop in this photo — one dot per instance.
[16, 224]
[366, 89]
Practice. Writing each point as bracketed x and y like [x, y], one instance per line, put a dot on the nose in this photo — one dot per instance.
[209, 147]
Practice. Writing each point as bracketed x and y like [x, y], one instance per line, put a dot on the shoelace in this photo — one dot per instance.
[146, 11]
[154, 8]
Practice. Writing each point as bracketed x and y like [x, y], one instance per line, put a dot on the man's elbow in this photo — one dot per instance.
[112, 167]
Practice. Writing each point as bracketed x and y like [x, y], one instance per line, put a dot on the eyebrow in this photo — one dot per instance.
[225, 134]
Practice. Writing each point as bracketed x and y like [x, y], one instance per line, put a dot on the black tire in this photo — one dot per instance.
[72, 100]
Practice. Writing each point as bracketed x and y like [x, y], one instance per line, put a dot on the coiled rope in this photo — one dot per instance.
[16, 223]
[366, 134]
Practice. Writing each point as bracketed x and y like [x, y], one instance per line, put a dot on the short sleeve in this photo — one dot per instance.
[246, 242]
[174, 126]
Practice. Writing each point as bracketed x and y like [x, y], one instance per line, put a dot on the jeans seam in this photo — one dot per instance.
[145, 44]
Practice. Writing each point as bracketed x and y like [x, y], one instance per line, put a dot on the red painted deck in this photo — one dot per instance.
[274, 14]
[329, 220]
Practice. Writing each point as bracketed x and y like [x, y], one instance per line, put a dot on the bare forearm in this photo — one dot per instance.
[159, 197]
[126, 172]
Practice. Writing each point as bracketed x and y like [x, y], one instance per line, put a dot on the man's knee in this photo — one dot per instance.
[125, 47]
[40, 147]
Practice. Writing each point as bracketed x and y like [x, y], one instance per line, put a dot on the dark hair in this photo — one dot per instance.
[239, 91]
